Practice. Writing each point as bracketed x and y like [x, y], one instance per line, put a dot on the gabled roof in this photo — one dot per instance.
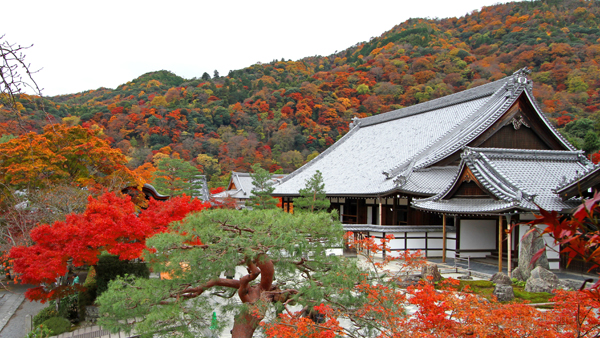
[394, 151]
[240, 185]
[514, 178]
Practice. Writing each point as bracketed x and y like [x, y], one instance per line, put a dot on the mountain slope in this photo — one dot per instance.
[283, 113]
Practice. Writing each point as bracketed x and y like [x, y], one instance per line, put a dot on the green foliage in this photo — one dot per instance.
[519, 283]
[533, 297]
[591, 142]
[110, 266]
[313, 196]
[39, 331]
[57, 325]
[44, 314]
[175, 177]
[7, 137]
[362, 89]
[88, 296]
[163, 76]
[579, 128]
[263, 188]
[288, 239]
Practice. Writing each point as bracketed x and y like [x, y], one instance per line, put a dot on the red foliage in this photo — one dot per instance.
[108, 224]
[216, 190]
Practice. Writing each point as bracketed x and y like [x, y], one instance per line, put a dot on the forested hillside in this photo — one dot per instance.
[284, 113]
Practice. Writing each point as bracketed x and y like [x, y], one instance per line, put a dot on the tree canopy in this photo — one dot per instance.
[262, 183]
[279, 259]
[109, 223]
[174, 177]
[312, 196]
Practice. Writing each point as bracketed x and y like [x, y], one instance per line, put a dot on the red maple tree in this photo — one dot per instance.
[109, 223]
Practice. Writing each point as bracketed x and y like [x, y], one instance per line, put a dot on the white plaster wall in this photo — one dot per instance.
[477, 234]
[414, 244]
[434, 244]
[397, 243]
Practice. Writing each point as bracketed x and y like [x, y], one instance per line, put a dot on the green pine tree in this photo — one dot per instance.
[263, 188]
[175, 176]
[312, 197]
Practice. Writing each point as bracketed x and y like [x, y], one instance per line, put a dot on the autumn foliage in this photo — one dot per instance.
[108, 224]
[442, 309]
[62, 154]
[282, 112]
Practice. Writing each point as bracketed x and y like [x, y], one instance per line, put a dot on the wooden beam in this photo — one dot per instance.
[509, 240]
[444, 238]
[500, 243]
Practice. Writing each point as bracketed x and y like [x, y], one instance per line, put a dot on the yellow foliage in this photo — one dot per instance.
[154, 83]
[157, 157]
[71, 120]
[159, 101]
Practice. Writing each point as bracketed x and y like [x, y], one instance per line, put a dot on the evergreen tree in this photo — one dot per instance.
[263, 187]
[591, 142]
[205, 76]
[312, 197]
[175, 176]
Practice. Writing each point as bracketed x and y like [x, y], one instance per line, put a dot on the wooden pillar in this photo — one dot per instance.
[395, 211]
[443, 238]
[509, 239]
[500, 243]
[380, 211]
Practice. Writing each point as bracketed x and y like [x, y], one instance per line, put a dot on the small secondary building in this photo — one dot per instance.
[446, 176]
[240, 188]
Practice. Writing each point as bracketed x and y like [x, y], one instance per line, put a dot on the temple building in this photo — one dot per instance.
[447, 176]
[240, 188]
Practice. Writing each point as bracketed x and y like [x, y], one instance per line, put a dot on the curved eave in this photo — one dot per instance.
[366, 195]
[583, 182]
[149, 189]
[491, 179]
[466, 206]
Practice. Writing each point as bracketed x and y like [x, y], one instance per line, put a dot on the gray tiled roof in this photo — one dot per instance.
[393, 151]
[518, 179]
[243, 183]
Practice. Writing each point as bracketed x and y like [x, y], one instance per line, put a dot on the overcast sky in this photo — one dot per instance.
[82, 45]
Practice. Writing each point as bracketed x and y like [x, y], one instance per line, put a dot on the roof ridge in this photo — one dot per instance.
[470, 94]
[448, 135]
[492, 111]
[565, 155]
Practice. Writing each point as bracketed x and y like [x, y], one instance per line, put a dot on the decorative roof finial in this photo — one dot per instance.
[354, 123]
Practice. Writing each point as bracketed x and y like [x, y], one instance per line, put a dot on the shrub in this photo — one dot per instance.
[109, 267]
[88, 297]
[44, 314]
[68, 306]
[40, 331]
[57, 325]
